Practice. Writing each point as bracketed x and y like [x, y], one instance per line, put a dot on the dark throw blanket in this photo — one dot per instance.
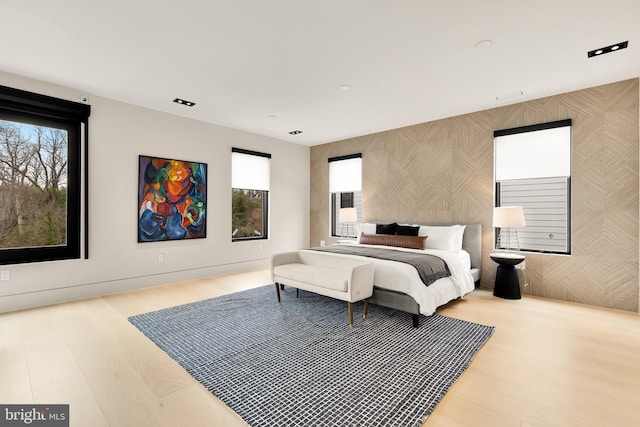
[429, 267]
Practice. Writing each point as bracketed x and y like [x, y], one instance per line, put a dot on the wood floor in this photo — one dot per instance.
[549, 363]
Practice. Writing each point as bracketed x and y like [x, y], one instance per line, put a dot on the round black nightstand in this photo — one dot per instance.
[507, 284]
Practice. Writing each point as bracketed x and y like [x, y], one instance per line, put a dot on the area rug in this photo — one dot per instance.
[298, 363]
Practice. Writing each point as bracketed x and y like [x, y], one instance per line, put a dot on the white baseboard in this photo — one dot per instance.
[90, 290]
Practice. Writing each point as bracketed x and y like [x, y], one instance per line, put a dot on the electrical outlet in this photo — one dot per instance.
[322, 243]
[5, 275]
[160, 258]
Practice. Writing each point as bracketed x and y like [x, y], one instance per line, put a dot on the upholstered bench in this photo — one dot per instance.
[342, 277]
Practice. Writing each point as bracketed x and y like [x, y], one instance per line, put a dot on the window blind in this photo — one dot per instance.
[533, 154]
[250, 170]
[546, 211]
[345, 174]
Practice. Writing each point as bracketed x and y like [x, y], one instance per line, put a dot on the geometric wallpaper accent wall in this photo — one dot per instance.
[442, 172]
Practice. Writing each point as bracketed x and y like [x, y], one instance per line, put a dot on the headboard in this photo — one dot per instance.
[472, 243]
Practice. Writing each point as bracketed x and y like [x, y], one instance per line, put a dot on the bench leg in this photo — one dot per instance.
[416, 320]
[297, 292]
[278, 292]
[350, 314]
[366, 308]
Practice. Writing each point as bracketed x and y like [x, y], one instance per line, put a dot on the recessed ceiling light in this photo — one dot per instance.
[295, 132]
[345, 87]
[484, 44]
[183, 102]
[272, 116]
[608, 49]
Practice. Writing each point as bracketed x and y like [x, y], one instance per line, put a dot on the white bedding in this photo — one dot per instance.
[402, 277]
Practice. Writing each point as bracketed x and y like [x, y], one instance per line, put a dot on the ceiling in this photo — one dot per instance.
[271, 67]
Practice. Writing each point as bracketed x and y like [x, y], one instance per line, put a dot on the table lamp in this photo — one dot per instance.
[347, 216]
[509, 217]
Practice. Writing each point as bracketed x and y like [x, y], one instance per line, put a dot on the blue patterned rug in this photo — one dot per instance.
[298, 363]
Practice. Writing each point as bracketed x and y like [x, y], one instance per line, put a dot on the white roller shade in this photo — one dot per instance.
[249, 172]
[538, 154]
[345, 175]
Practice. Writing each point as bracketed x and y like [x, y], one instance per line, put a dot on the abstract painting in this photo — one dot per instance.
[172, 199]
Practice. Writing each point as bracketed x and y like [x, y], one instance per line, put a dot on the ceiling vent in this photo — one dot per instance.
[509, 96]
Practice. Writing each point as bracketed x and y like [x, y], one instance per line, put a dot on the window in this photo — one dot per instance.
[40, 177]
[250, 194]
[533, 170]
[345, 187]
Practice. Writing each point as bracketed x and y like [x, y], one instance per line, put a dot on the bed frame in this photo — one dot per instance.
[471, 242]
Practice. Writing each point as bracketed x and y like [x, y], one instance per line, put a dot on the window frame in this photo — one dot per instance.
[36, 109]
[497, 184]
[265, 199]
[336, 197]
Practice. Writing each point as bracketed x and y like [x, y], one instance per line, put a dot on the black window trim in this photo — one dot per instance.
[334, 199]
[43, 108]
[265, 219]
[250, 152]
[347, 157]
[265, 200]
[533, 128]
[332, 196]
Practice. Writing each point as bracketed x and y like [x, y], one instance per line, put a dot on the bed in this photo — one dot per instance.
[399, 285]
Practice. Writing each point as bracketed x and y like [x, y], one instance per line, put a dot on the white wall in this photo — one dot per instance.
[118, 133]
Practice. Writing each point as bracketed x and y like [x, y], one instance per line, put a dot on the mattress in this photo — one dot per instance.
[401, 277]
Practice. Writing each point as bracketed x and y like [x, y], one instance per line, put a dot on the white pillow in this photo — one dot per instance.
[367, 228]
[443, 237]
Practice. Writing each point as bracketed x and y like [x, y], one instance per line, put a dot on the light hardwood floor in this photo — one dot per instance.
[549, 363]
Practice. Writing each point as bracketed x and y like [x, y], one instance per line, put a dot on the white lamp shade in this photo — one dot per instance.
[508, 216]
[348, 215]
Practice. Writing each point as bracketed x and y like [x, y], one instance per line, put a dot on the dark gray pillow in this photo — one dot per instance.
[407, 230]
[386, 228]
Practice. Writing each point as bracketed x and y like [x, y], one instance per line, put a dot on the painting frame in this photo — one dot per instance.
[172, 199]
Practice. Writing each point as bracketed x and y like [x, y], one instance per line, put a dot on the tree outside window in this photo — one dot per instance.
[33, 185]
[248, 218]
